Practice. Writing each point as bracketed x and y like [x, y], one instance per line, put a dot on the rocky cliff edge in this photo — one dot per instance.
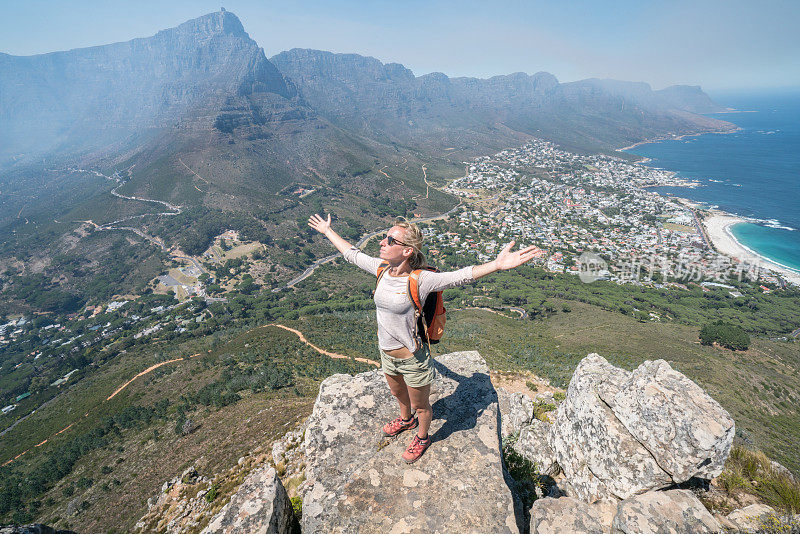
[613, 455]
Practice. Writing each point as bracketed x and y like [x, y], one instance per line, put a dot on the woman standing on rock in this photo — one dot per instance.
[405, 360]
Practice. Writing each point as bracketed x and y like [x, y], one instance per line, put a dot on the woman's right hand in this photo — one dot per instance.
[319, 224]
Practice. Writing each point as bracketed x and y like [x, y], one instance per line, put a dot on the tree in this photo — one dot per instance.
[727, 335]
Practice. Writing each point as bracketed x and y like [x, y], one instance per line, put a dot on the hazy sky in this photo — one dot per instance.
[716, 44]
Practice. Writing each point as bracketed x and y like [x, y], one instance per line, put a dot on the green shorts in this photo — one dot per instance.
[417, 371]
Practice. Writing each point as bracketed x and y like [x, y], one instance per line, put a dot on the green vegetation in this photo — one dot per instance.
[750, 471]
[19, 489]
[197, 226]
[297, 507]
[757, 312]
[728, 335]
[213, 491]
[528, 482]
[234, 372]
[72, 278]
[541, 409]
[41, 293]
[777, 524]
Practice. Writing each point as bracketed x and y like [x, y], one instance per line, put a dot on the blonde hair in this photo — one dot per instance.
[413, 238]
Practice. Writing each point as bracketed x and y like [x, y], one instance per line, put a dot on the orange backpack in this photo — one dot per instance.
[431, 313]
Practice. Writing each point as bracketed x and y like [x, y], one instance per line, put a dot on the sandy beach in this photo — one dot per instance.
[718, 229]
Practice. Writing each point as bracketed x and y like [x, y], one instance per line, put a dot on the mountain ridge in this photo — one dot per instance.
[148, 82]
[350, 89]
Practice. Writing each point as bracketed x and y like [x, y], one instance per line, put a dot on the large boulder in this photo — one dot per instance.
[357, 481]
[620, 433]
[657, 512]
[259, 505]
[516, 412]
[529, 435]
[598, 455]
[688, 433]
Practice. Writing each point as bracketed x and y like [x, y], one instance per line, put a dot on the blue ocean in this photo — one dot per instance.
[754, 172]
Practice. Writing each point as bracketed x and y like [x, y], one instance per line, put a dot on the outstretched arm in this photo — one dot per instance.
[324, 227]
[350, 253]
[505, 260]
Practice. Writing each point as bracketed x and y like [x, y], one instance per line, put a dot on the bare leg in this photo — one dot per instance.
[399, 389]
[420, 402]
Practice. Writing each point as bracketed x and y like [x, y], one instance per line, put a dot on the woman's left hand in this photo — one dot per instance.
[509, 260]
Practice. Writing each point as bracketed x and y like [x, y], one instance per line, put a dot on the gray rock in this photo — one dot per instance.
[725, 523]
[782, 469]
[688, 433]
[661, 512]
[533, 444]
[566, 515]
[516, 412]
[746, 519]
[259, 505]
[278, 450]
[189, 426]
[546, 397]
[619, 433]
[358, 482]
[599, 456]
[73, 506]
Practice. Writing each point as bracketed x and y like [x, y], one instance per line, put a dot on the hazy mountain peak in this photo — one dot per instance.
[218, 22]
[88, 98]
[690, 98]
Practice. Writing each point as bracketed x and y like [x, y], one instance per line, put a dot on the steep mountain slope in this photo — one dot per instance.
[689, 98]
[89, 98]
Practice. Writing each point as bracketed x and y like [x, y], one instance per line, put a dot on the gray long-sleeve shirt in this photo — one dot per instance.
[397, 322]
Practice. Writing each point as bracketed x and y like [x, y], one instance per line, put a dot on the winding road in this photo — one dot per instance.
[113, 225]
[427, 185]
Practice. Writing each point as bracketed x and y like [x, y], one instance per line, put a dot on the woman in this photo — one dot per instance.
[405, 360]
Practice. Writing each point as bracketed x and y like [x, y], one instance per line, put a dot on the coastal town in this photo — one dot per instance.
[590, 211]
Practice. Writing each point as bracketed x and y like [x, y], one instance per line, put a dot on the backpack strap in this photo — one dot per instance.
[413, 289]
[381, 269]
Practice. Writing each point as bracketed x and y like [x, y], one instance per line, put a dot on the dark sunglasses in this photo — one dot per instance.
[390, 240]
